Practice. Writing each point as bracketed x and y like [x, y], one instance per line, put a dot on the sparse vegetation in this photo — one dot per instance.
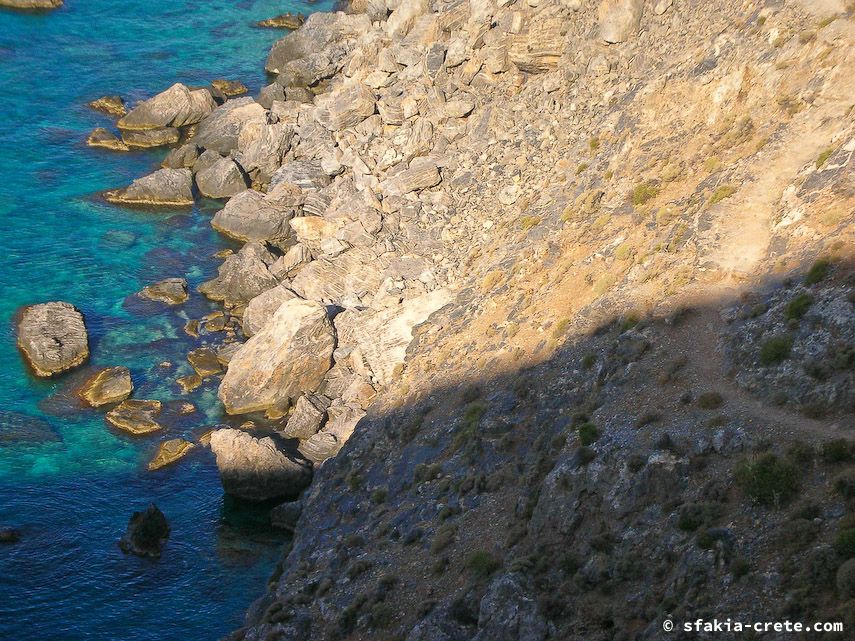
[710, 400]
[823, 157]
[594, 144]
[776, 349]
[528, 222]
[818, 271]
[844, 543]
[561, 328]
[768, 480]
[643, 193]
[838, 451]
[721, 192]
[798, 307]
[581, 167]
[482, 564]
[588, 433]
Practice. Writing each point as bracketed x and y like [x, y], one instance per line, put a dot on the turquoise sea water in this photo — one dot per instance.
[68, 481]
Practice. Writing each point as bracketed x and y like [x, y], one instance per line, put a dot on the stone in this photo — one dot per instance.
[289, 265]
[333, 436]
[32, 5]
[109, 385]
[286, 515]
[204, 361]
[136, 416]
[261, 309]
[257, 469]
[105, 139]
[242, 276]
[353, 274]
[320, 30]
[252, 216]
[221, 130]
[662, 6]
[619, 19]
[111, 105]
[53, 338]
[288, 357]
[421, 174]
[509, 613]
[189, 383]
[149, 138]
[229, 87]
[345, 107]
[459, 107]
[168, 452]
[172, 291]
[163, 188]
[382, 337]
[283, 21]
[223, 179]
[401, 20]
[183, 157]
[539, 47]
[306, 174]
[146, 534]
[261, 150]
[307, 417]
[178, 106]
[12, 535]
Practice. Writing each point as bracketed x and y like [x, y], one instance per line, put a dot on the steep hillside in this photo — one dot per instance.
[621, 234]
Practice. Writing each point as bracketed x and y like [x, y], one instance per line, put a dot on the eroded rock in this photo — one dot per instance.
[53, 338]
[136, 416]
[164, 187]
[110, 385]
[146, 534]
[172, 291]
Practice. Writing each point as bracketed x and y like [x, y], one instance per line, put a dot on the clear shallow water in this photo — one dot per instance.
[71, 487]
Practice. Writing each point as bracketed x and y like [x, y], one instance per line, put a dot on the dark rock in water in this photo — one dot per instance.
[136, 416]
[283, 21]
[118, 239]
[9, 535]
[229, 87]
[31, 5]
[286, 515]
[21, 428]
[110, 385]
[146, 534]
[112, 105]
[257, 469]
[204, 361]
[105, 139]
[151, 138]
[171, 291]
[164, 187]
[53, 338]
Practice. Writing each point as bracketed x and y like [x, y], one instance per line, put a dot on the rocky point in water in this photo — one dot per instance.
[172, 291]
[136, 416]
[111, 105]
[32, 4]
[53, 337]
[146, 534]
[110, 385]
[169, 452]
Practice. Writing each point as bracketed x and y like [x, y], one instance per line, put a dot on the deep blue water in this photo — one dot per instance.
[71, 494]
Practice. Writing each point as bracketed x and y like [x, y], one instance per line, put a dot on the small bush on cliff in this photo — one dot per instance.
[482, 564]
[768, 480]
[588, 433]
[844, 543]
[710, 400]
[818, 271]
[776, 350]
[798, 306]
[838, 451]
[722, 192]
[643, 193]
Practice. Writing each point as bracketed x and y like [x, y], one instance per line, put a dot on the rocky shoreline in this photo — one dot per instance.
[470, 233]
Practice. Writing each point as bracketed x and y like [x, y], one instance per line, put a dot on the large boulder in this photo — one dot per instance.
[110, 105]
[223, 179]
[109, 385]
[345, 107]
[148, 138]
[343, 280]
[146, 534]
[163, 188]
[261, 149]
[317, 34]
[287, 358]
[221, 130]
[257, 469]
[52, 336]
[253, 216]
[176, 107]
[619, 19]
[422, 173]
[31, 5]
[260, 310]
[242, 276]
[105, 139]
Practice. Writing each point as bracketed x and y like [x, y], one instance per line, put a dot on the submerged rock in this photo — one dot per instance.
[256, 469]
[164, 187]
[112, 105]
[204, 361]
[9, 535]
[170, 451]
[22, 428]
[288, 357]
[110, 385]
[52, 337]
[136, 416]
[105, 139]
[146, 534]
[172, 291]
[286, 515]
[176, 107]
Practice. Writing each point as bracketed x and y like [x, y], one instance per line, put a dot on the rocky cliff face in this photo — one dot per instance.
[571, 347]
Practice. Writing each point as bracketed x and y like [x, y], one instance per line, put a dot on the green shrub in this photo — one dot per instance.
[767, 479]
[527, 222]
[424, 472]
[443, 538]
[378, 496]
[823, 157]
[588, 433]
[818, 271]
[722, 192]
[588, 361]
[845, 485]
[844, 543]
[644, 192]
[482, 564]
[798, 306]
[382, 615]
[846, 579]
[776, 349]
[710, 400]
[837, 451]
[694, 515]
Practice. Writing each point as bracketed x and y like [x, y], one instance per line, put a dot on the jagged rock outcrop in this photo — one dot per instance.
[110, 385]
[106, 139]
[53, 338]
[257, 469]
[110, 105]
[221, 130]
[242, 276]
[32, 5]
[163, 188]
[288, 357]
[146, 534]
[253, 216]
[178, 106]
[148, 138]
